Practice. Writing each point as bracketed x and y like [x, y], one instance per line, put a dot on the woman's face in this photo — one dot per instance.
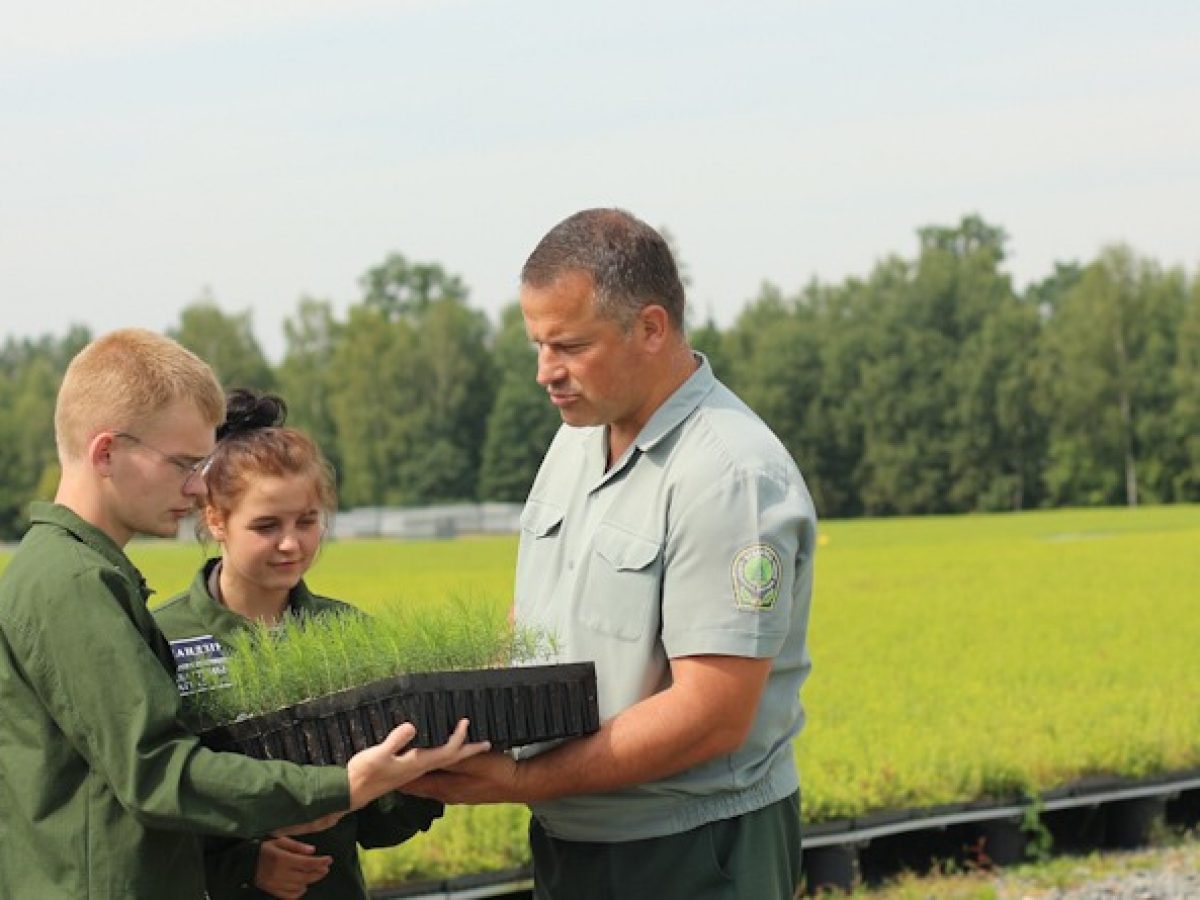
[272, 534]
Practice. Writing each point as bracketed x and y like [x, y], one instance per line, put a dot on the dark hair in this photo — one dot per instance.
[253, 441]
[247, 410]
[629, 262]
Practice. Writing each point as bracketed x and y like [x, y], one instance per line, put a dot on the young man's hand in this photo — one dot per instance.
[377, 770]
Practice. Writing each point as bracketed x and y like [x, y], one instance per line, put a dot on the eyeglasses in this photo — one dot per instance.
[188, 468]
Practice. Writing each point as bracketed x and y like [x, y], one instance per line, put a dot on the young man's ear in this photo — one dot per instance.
[99, 452]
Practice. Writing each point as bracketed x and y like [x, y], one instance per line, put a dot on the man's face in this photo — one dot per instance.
[587, 363]
[154, 482]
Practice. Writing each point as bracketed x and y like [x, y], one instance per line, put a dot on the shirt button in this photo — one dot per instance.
[570, 565]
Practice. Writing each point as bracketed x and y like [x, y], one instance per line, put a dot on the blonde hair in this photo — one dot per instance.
[125, 377]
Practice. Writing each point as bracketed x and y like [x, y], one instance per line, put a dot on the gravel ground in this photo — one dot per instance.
[1168, 872]
[1137, 886]
[1171, 873]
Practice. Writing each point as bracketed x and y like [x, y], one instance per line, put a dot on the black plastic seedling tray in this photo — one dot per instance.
[509, 707]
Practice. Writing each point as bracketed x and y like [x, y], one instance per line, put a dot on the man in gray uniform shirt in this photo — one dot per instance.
[669, 537]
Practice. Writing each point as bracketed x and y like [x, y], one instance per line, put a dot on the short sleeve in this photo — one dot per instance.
[737, 567]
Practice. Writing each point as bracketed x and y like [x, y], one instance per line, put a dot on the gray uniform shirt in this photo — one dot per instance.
[699, 540]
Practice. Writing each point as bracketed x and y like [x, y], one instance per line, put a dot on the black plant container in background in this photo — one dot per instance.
[509, 707]
[1131, 823]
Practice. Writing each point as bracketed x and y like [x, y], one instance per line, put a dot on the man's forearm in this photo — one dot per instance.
[706, 713]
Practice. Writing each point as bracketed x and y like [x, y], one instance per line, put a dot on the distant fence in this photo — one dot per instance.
[428, 522]
[413, 523]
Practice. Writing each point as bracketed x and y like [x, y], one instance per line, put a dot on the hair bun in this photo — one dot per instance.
[249, 410]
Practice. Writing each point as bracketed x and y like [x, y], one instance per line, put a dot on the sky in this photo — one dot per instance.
[152, 153]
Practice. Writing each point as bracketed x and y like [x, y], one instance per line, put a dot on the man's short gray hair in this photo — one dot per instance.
[630, 263]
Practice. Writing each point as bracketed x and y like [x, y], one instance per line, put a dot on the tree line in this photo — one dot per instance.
[931, 385]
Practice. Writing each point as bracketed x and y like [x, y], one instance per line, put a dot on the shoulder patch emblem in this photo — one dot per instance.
[756, 572]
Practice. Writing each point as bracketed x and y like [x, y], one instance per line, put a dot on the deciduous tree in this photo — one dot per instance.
[226, 342]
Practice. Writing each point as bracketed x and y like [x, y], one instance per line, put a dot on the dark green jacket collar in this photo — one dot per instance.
[219, 620]
[57, 515]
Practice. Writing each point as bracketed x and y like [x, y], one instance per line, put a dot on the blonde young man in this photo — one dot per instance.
[669, 537]
[102, 790]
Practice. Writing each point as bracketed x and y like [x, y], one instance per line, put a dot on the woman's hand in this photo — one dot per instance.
[287, 867]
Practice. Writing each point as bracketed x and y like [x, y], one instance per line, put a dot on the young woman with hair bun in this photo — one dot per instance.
[270, 495]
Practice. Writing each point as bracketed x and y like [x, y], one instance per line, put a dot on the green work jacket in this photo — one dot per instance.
[230, 864]
[103, 791]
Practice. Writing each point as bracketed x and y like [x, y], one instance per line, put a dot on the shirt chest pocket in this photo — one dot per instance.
[621, 593]
[538, 562]
[541, 519]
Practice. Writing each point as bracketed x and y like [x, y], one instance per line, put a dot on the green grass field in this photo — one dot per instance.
[955, 658]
